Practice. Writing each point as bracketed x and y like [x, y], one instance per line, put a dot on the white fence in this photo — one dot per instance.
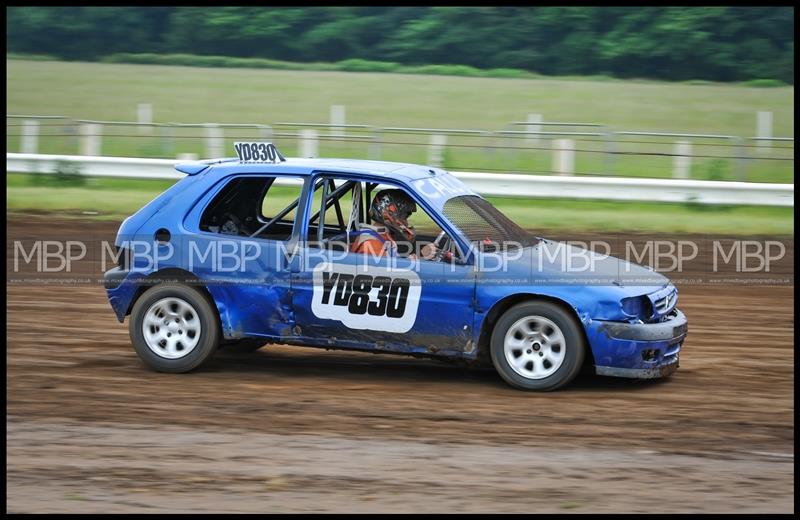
[489, 184]
[564, 148]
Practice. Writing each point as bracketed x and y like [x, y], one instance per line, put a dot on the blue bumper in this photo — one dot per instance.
[638, 350]
[121, 286]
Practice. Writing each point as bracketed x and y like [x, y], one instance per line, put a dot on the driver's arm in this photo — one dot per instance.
[428, 251]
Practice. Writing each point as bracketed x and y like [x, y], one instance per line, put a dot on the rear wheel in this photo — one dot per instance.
[537, 346]
[174, 328]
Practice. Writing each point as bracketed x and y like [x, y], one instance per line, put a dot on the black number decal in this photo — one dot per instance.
[354, 292]
[378, 308]
[328, 281]
[245, 154]
[256, 151]
[343, 289]
[397, 298]
[358, 301]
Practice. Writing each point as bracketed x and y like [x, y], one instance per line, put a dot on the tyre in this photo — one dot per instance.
[537, 346]
[174, 328]
[243, 346]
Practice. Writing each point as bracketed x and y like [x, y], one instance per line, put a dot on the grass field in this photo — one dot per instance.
[118, 198]
[197, 95]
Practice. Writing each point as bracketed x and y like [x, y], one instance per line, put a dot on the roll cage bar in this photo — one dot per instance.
[331, 195]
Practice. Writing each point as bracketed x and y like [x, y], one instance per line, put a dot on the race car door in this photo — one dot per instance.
[375, 302]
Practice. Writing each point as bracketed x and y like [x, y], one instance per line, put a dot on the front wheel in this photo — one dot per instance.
[174, 328]
[537, 346]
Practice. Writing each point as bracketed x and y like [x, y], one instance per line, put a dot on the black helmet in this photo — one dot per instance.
[392, 208]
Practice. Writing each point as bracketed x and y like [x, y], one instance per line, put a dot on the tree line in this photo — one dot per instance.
[669, 43]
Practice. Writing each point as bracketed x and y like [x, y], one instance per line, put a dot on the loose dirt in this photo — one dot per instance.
[295, 429]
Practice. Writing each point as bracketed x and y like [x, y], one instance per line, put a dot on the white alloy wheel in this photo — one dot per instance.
[171, 328]
[534, 347]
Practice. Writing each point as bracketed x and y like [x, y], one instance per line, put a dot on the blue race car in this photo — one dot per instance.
[376, 256]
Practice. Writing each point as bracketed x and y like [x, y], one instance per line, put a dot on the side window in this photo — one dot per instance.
[261, 207]
[424, 226]
[284, 192]
[343, 209]
[346, 224]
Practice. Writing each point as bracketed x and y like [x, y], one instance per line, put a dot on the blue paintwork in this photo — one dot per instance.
[451, 315]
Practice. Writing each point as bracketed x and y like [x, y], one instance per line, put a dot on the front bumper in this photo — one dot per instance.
[638, 350]
[655, 372]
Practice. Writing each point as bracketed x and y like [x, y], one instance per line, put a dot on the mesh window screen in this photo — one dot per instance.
[481, 222]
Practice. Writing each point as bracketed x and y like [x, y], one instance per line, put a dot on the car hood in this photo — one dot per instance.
[551, 262]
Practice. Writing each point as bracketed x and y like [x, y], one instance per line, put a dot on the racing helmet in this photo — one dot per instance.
[392, 209]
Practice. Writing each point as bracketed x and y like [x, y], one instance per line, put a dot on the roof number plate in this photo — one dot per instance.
[257, 152]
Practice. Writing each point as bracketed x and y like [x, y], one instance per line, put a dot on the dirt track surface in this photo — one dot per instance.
[292, 429]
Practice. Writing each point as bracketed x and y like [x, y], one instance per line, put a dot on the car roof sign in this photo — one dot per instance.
[257, 152]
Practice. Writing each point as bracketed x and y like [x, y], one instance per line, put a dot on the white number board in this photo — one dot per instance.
[260, 152]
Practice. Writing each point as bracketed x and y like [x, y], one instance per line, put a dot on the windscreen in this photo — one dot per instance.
[484, 225]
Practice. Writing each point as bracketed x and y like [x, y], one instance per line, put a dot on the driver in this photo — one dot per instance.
[392, 209]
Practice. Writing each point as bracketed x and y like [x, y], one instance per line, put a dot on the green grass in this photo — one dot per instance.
[118, 198]
[106, 91]
[196, 94]
[575, 215]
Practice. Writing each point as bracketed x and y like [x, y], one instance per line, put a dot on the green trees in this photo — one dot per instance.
[674, 43]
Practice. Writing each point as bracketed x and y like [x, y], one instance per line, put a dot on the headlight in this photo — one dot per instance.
[637, 307]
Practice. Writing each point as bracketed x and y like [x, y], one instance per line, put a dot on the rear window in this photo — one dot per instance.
[482, 223]
[254, 206]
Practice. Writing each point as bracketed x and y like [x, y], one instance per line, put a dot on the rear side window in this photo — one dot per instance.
[260, 207]
[281, 194]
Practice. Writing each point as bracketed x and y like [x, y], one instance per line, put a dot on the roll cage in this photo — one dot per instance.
[332, 198]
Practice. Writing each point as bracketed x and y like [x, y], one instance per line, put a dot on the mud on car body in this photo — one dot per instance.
[255, 249]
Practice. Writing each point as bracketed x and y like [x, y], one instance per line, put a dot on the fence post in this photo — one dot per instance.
[764, 131]
[265, 131]
[144, 115]
[30, 136]
[214, 145]
[167, 135]
[71, 138]
[90, 144]
[187, 157]
[375, 145]
[308, 143]
[337, 120]
[564, 156]
[533, 126]
[436, 151]
[742, 156]
[682, 160]
[611, 152]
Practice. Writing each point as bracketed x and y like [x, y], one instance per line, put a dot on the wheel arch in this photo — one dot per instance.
[171, 274]
[502, 305]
